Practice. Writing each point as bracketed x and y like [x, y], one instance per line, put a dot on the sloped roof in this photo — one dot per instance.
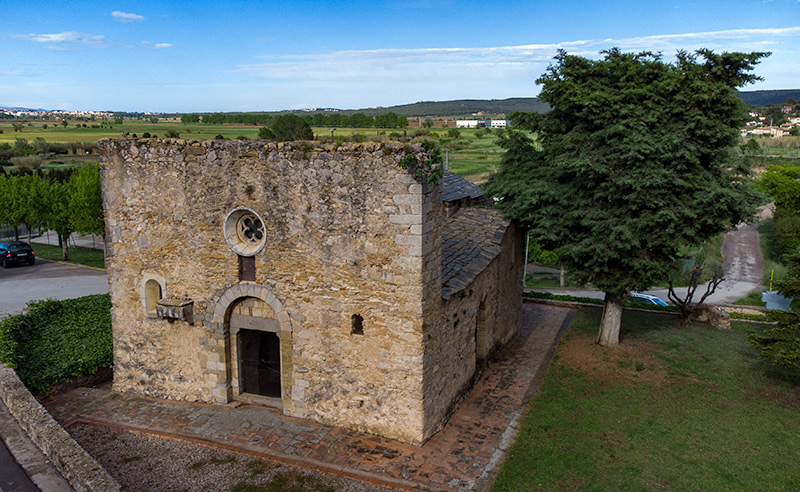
[454, 187]
[471, 239]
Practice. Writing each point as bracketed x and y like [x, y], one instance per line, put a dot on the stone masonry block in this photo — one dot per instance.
[405, 219]
[407, 240]
[406, 199]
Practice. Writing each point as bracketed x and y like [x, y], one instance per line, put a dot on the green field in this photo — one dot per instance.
[57, 133]
[469, 156]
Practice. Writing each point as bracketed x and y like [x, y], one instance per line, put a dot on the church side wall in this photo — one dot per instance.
[476, 322]
[509, 287]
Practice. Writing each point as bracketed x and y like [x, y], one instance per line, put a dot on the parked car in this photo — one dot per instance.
[16, 253]
[646, 299]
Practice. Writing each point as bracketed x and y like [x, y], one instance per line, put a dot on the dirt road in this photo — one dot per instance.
[743, 264]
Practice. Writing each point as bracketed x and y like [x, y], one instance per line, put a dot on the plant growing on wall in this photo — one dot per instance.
[425, 170]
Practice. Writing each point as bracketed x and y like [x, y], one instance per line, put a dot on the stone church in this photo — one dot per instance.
[322, 280]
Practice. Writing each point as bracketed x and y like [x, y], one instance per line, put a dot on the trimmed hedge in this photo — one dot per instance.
[58, 340]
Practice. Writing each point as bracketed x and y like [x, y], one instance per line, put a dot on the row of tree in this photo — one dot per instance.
[39, 145]
[62, 202]
[335, 120]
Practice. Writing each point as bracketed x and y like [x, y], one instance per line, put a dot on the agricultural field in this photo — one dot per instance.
[467, 154]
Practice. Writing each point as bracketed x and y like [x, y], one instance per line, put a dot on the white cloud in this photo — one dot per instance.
[64, 41]
[12, 73]
[157, 46]
[126, 17]
[414, 63]
[730, 34]
[462, 65]
[67, 37]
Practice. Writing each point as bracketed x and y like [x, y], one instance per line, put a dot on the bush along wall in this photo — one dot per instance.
[58, 340]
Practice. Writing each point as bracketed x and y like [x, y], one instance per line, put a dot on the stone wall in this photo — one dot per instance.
[67, 456]
[347, 276]
[477, 321]
[348, 233]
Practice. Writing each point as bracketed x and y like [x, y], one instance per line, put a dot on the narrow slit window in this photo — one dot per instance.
[247, 268]
[358, 325]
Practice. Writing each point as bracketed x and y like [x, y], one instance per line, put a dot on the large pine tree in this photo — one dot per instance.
[634, 163]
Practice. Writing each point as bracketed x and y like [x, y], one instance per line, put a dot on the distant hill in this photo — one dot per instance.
[489, 107]
[461, 107]
[469, 107]
[764, 98]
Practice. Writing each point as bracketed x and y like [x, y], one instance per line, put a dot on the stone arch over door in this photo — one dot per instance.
[276, 320]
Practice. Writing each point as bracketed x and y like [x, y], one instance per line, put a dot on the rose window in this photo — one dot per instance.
[244, 231]
[250, 229]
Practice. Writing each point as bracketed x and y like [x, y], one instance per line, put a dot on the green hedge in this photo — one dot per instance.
[58, 340]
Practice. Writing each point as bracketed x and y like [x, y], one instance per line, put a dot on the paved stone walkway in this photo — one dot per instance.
[465, 455]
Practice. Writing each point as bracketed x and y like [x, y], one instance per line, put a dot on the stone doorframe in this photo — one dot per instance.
[221, 321]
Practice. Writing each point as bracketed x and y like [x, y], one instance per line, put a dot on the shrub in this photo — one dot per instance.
[58, 340]
[265, 133]
[28, 161]
[171, 134]
[290, 127]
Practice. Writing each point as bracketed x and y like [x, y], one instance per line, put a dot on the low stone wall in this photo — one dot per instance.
[76, 465]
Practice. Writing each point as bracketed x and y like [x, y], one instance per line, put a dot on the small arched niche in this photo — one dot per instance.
[153, 288]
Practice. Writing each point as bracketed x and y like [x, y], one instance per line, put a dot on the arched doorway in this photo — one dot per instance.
[259, 345]
[254, 331]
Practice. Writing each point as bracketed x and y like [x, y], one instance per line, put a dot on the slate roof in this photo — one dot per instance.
[471, 239]
[454, 187]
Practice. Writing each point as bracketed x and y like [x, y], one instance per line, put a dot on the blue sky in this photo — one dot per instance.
[198, 56]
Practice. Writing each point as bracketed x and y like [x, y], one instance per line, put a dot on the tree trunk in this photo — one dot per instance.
[562, 278]
[610, 322]
[64, 248]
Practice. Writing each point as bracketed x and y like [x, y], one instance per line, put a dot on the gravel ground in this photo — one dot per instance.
[144, 463]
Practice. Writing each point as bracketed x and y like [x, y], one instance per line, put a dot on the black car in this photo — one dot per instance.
[16, 253]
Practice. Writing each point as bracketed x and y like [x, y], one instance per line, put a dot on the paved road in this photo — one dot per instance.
[47, 280]
[13, 477]
[743, 271]
[24, 468]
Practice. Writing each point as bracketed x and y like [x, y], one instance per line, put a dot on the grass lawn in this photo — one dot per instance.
[673, 409]
[752, 299]
[77, 255]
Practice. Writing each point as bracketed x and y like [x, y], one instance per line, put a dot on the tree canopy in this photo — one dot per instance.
[636, 161]
[291, 127]
[781, 343]
[65, 202]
